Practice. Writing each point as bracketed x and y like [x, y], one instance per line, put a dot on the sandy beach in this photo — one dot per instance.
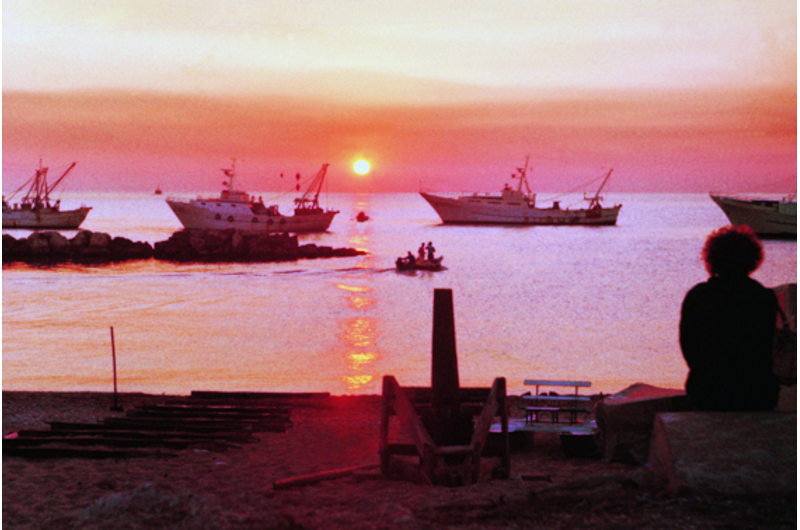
[234, 488]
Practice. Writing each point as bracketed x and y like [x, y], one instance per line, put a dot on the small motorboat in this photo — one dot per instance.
[416, 264]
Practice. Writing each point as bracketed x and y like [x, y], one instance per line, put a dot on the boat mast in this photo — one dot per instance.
[319, 178]
[522, 176]
[595, 201]
[38, 187]
[230, 174]
[57, 182]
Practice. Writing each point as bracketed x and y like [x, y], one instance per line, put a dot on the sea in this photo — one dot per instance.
[599, 304]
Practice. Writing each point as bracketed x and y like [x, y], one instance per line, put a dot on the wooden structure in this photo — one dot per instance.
[444, 442]
[210, 421]
[556, 413]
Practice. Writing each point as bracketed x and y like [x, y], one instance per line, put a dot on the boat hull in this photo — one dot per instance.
[419, 265]
[765, 217]
[483, 212]
[239, 217]
[45, 219]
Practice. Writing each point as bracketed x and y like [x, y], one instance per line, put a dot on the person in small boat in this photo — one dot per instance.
[421, 251]
[410, 258]
[430, 250]
[727, 327]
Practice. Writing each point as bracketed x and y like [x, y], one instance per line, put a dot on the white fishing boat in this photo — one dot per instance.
[36, 210]
[236, 209]
[767, 217]
[515, 207]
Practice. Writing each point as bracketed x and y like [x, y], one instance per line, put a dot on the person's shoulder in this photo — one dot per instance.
[698, 294]
[700, 288]
[758, 287]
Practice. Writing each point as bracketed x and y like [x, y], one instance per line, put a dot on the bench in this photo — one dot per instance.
[553, 406]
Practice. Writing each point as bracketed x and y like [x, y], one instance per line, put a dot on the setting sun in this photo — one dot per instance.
[361, 167]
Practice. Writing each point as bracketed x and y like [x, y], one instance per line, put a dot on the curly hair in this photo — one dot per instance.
[733, 251]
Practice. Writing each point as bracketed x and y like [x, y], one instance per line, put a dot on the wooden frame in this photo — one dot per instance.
[448, 464]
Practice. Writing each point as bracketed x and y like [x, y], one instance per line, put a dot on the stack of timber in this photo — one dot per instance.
[213, 423]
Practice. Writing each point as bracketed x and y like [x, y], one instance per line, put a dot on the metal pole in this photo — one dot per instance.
[114, 364]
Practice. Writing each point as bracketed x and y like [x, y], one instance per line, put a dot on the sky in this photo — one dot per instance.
[682, 96]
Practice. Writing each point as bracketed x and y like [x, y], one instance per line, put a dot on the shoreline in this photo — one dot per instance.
[234, 488]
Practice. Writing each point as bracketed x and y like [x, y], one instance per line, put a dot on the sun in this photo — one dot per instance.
[361, 167]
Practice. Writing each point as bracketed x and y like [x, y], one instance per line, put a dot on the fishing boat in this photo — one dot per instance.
[767, 217]
[417, 264]
[236, 209]
[36, 210]
[516, 207]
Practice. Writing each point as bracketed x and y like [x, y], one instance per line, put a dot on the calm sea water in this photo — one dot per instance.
[599, 304]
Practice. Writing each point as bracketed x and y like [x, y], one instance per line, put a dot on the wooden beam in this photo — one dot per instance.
[444, 360]
[313, 478]
[407, 416]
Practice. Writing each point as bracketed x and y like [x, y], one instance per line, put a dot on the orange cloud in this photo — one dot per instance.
[655, 141]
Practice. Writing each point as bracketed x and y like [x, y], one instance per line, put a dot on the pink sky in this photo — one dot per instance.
[688, 96]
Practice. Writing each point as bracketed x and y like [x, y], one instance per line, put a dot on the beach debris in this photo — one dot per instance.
[321, 476]
[206, 423]
[115, 407]
[448, 444]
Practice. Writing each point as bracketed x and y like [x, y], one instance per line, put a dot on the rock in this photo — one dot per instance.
[237, 244]
[123, 249]
[81, 240]
[59, 245]
[99, 240]
[39, 245]
[308, 251]
[732, 453]
[183, 246]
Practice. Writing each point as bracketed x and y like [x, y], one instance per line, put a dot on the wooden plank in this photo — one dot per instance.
[402, 449]
[575, 428]
[112, 431]
[232, 431]
[198, 407]
[237, 436]
[314, 478]
[73, 452]
[207, 415]
[543, 397]
[543, 382]
[422, 394]
[454, 450]
[206, 394]
[194, 423]
[407, 416]
[84, 441]
[484, 423]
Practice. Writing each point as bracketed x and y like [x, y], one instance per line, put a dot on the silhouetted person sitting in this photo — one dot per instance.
[727, 327]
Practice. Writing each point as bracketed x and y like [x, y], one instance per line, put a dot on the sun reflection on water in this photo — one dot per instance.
[359, 336]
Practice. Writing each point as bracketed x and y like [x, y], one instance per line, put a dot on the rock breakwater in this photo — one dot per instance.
[182, 246]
